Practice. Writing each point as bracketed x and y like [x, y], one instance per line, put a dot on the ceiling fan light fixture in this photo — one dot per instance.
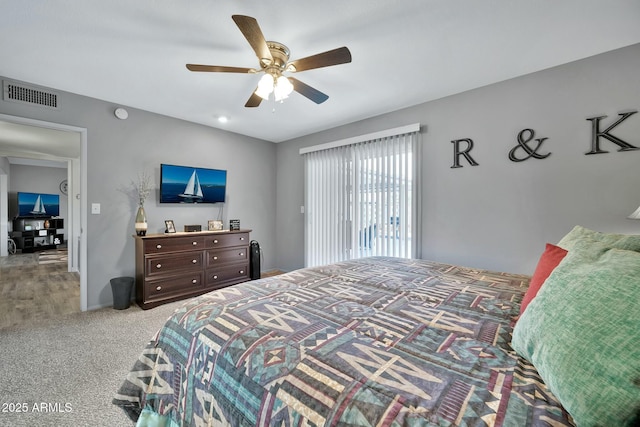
[282, 89]
[265, 86]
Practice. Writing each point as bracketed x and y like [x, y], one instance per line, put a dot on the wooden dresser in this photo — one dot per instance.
[175, 266]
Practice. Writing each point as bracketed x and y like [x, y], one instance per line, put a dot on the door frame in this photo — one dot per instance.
[77, 179]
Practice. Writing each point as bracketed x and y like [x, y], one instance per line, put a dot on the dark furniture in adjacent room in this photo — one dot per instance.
[37, 233]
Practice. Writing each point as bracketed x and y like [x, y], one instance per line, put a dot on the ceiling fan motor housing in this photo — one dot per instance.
[280, 54]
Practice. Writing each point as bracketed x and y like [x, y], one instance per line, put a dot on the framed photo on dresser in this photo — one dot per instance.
[215, 225]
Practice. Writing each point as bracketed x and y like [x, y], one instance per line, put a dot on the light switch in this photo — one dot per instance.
[95, 208]
[301, 209]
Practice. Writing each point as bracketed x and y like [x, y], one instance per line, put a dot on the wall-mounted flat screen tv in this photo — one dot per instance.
[184, 184]
[38, 204]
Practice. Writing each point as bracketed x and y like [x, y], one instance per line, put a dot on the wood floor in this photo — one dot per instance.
[271, 273]
[36, 287]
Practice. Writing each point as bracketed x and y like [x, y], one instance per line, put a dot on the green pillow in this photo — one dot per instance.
[582, 333]
[630, 242]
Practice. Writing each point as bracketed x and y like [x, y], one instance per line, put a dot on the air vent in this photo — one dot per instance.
[29, 95]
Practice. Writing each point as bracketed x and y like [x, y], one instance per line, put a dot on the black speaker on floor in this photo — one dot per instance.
[254, 260]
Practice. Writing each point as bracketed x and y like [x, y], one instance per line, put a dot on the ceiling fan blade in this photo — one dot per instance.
[254, 100]
[252, 32]
[219, 69]
[341, 55]
[304, 89]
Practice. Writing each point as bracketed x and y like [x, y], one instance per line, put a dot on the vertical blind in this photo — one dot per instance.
[361, 199]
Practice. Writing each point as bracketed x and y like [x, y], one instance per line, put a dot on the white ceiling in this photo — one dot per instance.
[45, 147]
[133, 53]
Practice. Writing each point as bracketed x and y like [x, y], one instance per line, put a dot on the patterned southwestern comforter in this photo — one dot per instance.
[369, 342]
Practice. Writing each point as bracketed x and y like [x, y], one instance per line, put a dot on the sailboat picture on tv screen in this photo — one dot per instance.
[184, 184]
[38, 204]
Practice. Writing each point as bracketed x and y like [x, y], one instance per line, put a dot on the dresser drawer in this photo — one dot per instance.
[226, 240]
[162, 245]
[223, 275]
[224, 256]
[167, 264]
[176, 285]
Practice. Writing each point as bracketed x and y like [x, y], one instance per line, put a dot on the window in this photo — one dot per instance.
[361, 197]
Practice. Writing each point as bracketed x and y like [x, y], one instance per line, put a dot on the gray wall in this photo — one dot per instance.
[499, 215]
[119, 149]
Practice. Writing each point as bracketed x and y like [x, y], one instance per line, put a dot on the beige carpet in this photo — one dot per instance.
[73, 365]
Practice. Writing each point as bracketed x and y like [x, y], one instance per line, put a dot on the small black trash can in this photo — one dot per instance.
[121, 288]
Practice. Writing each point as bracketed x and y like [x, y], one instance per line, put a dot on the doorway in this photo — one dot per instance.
[53, 151]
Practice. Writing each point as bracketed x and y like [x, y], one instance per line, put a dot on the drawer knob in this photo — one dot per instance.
[215, 277]
[194, 281]
[215, 257]
[158, 265]
[241, 271]
[215, 241]
[158, 246]
[195, 261]
[241, 253]
[159, 288]
[194, 243]
[242, 238]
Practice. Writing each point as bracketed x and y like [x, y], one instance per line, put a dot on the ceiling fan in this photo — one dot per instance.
[274, 61]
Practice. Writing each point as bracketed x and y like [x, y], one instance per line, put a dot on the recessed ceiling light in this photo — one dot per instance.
[223, 119]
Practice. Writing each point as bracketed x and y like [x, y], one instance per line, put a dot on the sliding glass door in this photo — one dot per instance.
[361, 200]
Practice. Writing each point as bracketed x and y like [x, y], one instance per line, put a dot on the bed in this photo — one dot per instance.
[396, 342]
[371, 342]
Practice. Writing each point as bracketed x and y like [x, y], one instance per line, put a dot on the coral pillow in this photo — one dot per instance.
[549, 260]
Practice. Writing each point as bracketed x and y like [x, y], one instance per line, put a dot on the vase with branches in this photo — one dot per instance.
[143, 189]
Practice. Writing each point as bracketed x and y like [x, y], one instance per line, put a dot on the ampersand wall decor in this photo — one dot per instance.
[598, 135]
[523, 143]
